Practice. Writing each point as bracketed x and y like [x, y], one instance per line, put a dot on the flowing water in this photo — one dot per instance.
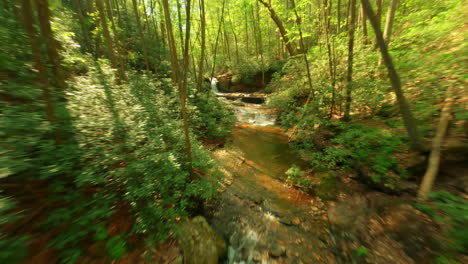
[262, 218]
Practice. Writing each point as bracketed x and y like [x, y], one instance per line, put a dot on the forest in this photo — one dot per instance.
[233, 131]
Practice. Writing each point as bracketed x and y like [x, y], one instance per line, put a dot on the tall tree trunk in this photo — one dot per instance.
[434, 158]
[389, 21]
[338, 11]
[149, 32]
[84, 29]
[179, 23]
[187, 43]
[105, 31]
[326, 21]
[203, 41]
[349, 76]
[122, 74]
[364, 27]
[282, 30]
[408, 119]
[178, 80]
[39, 63]
[304, 54]
[51, 44]
[140, 33]
[260, 44]
[217, 39]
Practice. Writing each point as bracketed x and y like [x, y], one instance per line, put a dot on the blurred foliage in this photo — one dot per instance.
[122, 145]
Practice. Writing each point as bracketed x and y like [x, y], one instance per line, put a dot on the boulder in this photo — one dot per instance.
[200, 243]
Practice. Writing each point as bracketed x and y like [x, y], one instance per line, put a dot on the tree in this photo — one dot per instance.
[122, 74]
[202, 46]
[51, 44]
[434, 158]
[84, 28]
[140, 33]
[389, 21]
[304, 54]
[405, 110]
[282, 30]
[39, 63]
[349, 75]
[178, 80]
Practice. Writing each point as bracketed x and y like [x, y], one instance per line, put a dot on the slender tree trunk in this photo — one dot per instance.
[39, 64]
[304, 55]
[326, 21]
[51, 44]
[408, 119]
[349, 76]
[140, 33]
[149, 32]
[247, 35]
[203, 41]
[178, 80]
[217, 39]
[105, 31]
[181, 34]
[282, 30]
[364, 27]
[84, 29]
[434, 158]
[338, 11]
[389, 21]
[187, 43]
[260, 44]
[122, 73]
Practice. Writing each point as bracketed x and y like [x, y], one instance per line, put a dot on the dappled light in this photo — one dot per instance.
[233, 131]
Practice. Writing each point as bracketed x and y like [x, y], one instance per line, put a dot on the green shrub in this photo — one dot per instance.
[455, 209]
[211, 118]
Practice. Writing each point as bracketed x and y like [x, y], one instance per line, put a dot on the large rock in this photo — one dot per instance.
[200, 243]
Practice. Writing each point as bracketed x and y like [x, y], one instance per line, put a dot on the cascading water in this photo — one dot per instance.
[263, 219]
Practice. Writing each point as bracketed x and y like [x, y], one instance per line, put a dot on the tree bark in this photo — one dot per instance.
[178, 80]
[364, 27]
[84, 29]
[217, 39]
[309, 78]
[349, 76]
[105, 31]
[39, 64]
[282, 30]
[405, 110]
[187, 43]
[51, 43]
[326, 21]
[140, 33]
[122, 73]
[389, 21]
[434, 157]
[203, 44]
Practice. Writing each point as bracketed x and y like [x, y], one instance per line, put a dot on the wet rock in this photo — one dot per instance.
[277, 250]
[387, 251]
[200, 243]
[345, 214]
[296, 221]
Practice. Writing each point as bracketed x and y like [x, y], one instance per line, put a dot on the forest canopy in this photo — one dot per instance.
[108, 113]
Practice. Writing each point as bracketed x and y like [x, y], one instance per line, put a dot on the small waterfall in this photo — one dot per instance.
[214, 85]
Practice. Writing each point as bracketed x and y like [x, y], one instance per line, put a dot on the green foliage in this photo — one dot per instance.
[425, 209]
[361, 252]
[455, 209]
[12, 249]
[211, 118]
[115, 247]
[294, 175]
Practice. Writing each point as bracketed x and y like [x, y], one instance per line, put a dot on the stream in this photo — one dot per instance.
[263, 219]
